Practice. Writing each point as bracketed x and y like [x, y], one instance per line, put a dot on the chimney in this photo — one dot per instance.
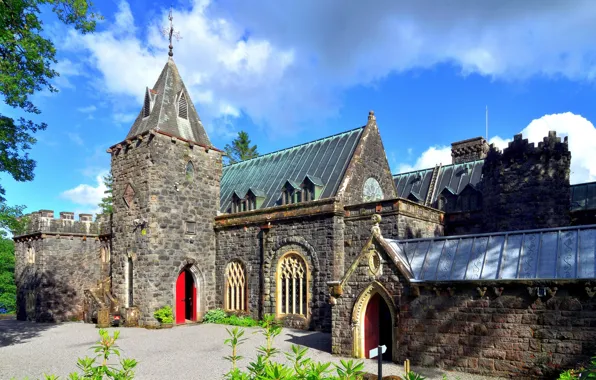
[46, 213]
[67, 215]
[86, 217]
[469, 150]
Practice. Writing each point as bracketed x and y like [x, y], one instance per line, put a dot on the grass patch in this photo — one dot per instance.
[7, 316]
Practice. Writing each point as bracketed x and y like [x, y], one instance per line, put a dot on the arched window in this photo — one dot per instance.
[236, 287]
[182, 106]
[30, 255]
[190, 171]
[292, 285]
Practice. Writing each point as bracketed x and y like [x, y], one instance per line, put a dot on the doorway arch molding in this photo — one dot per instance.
[199, 280]
[359, 311]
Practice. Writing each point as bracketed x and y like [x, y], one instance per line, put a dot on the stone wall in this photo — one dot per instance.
[50, 287]
[469, 150]
[167, 224]
[527, 187]
[512, 334]
[369, 160]
[401, 219]
[312, 229]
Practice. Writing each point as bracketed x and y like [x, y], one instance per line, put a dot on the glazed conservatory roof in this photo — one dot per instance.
[547, 254]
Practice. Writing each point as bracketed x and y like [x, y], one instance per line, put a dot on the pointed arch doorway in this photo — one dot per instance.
[377, 326]
[186, 297]
[374, 320]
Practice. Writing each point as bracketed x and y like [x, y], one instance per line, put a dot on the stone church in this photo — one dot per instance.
[486, 264]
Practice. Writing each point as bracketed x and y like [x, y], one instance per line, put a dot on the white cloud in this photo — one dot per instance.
[88, 109]
[123, 118]
[87, 195]
[428, 159]
[75, 138]
[286, 65]
[582, 145]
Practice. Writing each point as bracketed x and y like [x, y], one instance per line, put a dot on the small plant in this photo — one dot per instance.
[215, 316]
[164, 315]
[415, 376]
[234, 341]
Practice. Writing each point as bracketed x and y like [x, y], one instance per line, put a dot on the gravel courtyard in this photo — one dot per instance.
[188, 352]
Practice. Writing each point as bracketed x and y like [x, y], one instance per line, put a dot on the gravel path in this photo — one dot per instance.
[187, 352]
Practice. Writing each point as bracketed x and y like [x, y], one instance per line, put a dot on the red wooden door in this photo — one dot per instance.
[194, 302]
[371, 325]
[181, 298]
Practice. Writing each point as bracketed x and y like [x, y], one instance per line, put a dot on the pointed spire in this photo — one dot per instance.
[171, 110]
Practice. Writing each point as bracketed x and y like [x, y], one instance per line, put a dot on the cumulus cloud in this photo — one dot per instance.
[85, 194]
[87, 109]
[580, 132]
[287, 64]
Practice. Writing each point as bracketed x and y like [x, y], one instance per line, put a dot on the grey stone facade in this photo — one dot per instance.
[527, 186]
[168, 225]
[56, 260]
[469, 150]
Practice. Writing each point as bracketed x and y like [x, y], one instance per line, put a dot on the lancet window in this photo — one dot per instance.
[292, 285]
[236, 287]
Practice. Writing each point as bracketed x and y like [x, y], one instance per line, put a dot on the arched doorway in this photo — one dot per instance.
[377, 326]
[186, 297]
[372, 310]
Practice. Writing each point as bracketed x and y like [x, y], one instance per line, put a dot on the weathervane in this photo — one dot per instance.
[170, 32]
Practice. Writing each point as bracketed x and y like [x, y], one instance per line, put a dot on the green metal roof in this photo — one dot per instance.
[324, 161]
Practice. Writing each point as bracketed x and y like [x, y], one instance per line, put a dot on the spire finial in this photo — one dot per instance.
[171, 33]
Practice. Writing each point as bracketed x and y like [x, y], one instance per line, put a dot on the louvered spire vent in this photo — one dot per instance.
[147, 104]
[182, 107]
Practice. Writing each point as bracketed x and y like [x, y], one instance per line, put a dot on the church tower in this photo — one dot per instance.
[166, 196]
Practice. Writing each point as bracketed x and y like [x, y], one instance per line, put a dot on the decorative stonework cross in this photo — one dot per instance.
[169, 32]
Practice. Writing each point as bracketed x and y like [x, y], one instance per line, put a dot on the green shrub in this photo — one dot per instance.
[587, 372]
[215, 316]
[164, 315]
[219, 316]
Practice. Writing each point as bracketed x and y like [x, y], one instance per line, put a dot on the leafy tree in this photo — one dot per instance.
[107, 201]
[26, 60]
[8, 289]
[240, 149]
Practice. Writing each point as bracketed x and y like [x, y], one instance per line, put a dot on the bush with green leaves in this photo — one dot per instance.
[164, 315]
[587, 372]
[219, 316]
[98, 368]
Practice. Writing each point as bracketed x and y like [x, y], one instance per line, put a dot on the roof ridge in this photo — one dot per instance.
[444, 166]
[295, 146]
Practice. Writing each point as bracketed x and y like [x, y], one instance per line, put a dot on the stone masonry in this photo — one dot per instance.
[525, 186]
[167, 224]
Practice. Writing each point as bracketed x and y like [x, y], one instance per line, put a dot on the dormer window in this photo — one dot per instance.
[182, 106]
[254, 199]
[290, 193]
[311, 189]
[238, 203]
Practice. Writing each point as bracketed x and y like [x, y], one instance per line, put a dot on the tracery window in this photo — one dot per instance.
[292, 285]
[235, 287]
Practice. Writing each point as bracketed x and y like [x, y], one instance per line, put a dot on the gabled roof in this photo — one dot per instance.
[164, 111]
[546, 254]
[325, 159]
[454, 177]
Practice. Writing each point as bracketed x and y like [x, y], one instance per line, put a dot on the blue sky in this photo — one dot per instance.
[297, 71]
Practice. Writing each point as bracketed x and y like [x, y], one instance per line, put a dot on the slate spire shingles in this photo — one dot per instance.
[163, 115]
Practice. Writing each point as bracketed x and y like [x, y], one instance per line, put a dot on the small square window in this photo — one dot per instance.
[191, 228]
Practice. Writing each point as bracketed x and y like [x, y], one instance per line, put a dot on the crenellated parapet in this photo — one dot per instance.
[45, 222]
[527, 186]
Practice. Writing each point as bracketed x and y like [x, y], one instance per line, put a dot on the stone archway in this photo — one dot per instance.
[358, 319]
[190, 266]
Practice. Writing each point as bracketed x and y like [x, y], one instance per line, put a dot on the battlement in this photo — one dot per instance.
[43, 221]
[520, 147]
